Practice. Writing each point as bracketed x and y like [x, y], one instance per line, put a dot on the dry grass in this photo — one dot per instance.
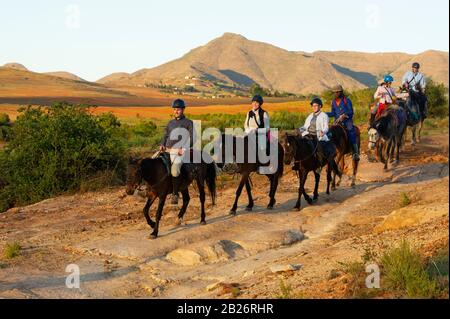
[164, 112]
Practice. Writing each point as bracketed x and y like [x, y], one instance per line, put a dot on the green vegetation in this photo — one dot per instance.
[437, 99]
[55, 149]
[404, 200]
[285, 291]
[404, 271]
[4, 127]
[12, 250]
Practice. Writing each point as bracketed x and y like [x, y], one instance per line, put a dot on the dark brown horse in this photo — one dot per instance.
[246, 167]
[155, 173]
[339, 137]
[302, 151]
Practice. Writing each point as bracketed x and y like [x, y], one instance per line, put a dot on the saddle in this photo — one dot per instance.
[165, 157]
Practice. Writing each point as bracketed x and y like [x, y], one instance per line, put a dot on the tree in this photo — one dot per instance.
[437, 99]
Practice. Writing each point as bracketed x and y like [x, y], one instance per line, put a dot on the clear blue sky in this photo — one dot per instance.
[93, 38]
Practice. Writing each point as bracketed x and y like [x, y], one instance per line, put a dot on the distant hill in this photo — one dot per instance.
[15, 66]
[66, 75]
[236, 61]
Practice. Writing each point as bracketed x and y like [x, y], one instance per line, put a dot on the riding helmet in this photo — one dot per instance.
[178, 104]
[316, 100]
[416, 65]
[337, 88]
[388, 79]
[259, 99]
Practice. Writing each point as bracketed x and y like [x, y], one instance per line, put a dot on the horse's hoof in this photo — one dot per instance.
[249, 209]
[203, 223]
[179, 222]
[233, 213]
[153, 236]
[296, 208]
[270, 207]
[315, 200]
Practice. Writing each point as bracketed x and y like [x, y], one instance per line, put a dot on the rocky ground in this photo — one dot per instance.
[249, 256]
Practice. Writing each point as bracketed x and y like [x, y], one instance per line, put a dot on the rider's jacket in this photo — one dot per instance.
[415, 81]
[258, 120]
[340, 107]
[181, 123]
[320, 121]
[385, 95]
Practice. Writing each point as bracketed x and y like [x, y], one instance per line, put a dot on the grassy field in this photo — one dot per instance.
[132, 114]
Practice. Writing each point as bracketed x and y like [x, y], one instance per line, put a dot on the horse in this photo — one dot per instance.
[339, 137]
[387, 134]
[156, 174]
[302, 151]
[415, 118]
[245, 167]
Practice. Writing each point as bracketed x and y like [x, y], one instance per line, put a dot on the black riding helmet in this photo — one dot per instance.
[259, 99]
[416, 65]
[316, 100]
[178, 104]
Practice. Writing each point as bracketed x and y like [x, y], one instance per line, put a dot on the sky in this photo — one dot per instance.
[94, 38]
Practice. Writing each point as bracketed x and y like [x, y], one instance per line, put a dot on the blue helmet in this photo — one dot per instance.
[388, 79]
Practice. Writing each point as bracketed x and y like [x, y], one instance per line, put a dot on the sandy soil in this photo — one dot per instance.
[105, 234]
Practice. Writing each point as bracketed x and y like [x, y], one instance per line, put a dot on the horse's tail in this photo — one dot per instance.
[280, 170]
[335, 168]
[211, 175]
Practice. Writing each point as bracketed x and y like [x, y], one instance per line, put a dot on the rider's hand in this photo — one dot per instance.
[162, 148]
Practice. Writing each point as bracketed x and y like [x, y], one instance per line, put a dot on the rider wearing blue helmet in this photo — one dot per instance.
[385, 95]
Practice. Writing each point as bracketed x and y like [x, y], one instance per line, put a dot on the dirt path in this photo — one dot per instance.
[105, 235]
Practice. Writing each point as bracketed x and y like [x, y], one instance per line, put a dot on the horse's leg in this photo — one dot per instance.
[388, 154]
[162, 201]
[201, 189]
[151, 199]
[244, 180]
[316, 187]
[355, 165]
[273, 190]
[413, 138]
[329, 178]
[248, 189]
[301, 189]
[342, 168]
[186, 200]
[420, 130]
[333, 186]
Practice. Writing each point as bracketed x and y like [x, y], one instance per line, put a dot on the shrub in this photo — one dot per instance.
[404, 271]
[404, 200]
[54, 149]
[12, 250]
[437, 99]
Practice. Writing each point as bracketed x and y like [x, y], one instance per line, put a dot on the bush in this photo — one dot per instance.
[437, 99]
[12, 250]
[4, 127]
[54, 149]
[405, 271]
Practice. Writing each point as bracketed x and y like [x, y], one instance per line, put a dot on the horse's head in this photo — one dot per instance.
[289, 144]
[134, 175]
[373, 138]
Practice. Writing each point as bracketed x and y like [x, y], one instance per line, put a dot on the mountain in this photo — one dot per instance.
[15, 66]
[66, 75]
[234, 61]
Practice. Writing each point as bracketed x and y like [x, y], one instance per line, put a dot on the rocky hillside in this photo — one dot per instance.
[238, 62]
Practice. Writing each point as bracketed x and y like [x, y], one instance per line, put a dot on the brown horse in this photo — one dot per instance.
[246, 167]
[155, 173]
[339, 138]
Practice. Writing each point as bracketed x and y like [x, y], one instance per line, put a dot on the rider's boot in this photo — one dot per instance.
[176, 187]
[355, 150]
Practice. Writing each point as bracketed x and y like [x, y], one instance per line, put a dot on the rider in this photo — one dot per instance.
[258, 121]
[414, 81]
[178, 127]
[342, 112]
[316, 125]
[386, 96]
